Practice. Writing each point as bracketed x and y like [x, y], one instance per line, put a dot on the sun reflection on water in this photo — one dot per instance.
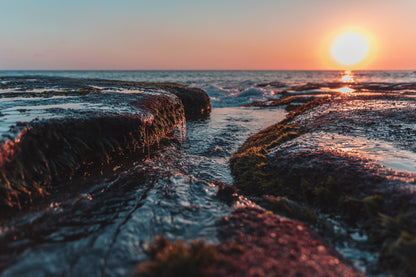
[345, 90]
[346, 78]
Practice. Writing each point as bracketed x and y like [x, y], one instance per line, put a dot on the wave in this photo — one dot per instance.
[236, 96]
[234, 88]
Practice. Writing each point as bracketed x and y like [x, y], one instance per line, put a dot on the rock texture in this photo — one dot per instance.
[255, 243]
[351, 156]
[53, 129]
[258, 243]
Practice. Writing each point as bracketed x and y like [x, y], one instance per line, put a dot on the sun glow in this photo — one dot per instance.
[350, 48]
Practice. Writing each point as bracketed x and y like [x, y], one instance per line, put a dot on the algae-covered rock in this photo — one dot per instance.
[195, 100]
[253, 243]
[352, 156]
[258, 243]
[52, 129]
[289, 208]
[179, 259]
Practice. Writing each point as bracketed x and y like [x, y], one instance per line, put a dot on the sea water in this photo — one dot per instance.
[233, 88]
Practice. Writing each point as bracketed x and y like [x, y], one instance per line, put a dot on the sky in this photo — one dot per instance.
[190, 34]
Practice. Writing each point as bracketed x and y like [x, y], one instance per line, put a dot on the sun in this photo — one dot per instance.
[350, 48]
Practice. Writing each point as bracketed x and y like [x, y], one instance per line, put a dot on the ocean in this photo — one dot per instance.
[234, 87]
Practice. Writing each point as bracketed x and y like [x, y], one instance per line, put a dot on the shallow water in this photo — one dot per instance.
[104, 230]
[30, 108]
[387, 154]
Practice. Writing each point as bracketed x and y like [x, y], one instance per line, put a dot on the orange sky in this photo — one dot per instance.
[234, 34]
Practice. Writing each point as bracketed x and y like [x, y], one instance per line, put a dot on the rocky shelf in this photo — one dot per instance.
[255, 243]
[55, 129]
[339, 169]
[349, 156]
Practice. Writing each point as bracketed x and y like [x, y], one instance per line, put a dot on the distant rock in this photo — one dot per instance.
[195, 101]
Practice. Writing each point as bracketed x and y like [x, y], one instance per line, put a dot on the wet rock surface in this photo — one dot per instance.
[318, 166]
[101, 224]
[258, 243]
[254, 243]
[350, 157]
[196, 102]
[54, 129]
[347, 81]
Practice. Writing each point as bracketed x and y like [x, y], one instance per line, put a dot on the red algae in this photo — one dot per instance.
[258, 243]
[254, 243]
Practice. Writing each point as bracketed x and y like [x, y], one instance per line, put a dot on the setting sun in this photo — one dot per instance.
[349, 48]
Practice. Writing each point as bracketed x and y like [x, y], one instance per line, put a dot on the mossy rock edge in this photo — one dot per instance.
[39, 154]
[318, 182]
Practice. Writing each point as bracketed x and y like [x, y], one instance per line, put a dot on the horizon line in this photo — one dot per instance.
[2, 70]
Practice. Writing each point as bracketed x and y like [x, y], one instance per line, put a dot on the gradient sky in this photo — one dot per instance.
[190, 34]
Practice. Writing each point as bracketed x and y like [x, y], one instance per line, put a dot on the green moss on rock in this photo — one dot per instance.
[287, 101]
[49, 152]
[398, 253]
[179, 259]
[305, 107]
[36, 156]
[356, 210]
[286, 207]
[324, 181]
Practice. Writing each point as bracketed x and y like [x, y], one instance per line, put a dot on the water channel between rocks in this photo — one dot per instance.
[105, 230]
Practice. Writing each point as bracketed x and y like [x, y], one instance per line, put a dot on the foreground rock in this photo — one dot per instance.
[351, 156]
[55, 129]
[255, 243]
